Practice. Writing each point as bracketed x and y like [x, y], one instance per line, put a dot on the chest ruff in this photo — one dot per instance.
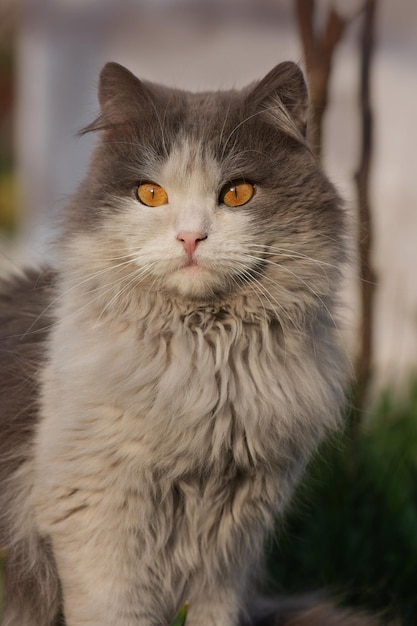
[174, 389]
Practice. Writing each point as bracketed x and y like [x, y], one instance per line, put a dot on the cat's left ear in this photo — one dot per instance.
[283, 96]
[122, 97]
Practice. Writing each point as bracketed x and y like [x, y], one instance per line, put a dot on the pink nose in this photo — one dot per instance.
[190, 241]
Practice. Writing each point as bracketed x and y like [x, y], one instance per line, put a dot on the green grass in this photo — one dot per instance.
[181, 616]
[353, 526]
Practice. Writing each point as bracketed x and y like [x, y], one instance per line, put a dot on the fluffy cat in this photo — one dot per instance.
[163, 386]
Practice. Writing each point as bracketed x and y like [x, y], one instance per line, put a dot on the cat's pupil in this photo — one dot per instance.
[237, 194]
[152, 195]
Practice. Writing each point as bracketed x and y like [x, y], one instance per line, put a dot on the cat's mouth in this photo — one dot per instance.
[193, 279]
[194, 271]
[192, 265]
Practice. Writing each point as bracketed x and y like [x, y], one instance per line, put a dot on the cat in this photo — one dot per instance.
[164, 384]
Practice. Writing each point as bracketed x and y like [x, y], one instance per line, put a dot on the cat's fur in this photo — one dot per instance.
[156, 417]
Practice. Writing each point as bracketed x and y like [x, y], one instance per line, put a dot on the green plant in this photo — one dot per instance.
[181, 616]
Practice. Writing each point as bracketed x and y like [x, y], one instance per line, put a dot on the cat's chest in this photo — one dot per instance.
[171, 390]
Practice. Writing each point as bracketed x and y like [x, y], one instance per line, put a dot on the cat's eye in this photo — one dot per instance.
[152, 194]
[237, 194]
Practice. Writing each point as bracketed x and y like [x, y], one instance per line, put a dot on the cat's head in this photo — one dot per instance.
[206, 195]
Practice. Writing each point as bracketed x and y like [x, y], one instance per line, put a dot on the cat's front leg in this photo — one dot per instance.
[99, 558]
[94, 581]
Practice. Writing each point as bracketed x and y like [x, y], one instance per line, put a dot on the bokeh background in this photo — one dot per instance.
[353, 528]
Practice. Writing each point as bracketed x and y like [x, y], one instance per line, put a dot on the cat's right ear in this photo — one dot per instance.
[282, 96]
[122, 97]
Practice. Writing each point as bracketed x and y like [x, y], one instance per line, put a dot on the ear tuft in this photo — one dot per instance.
[284, 86]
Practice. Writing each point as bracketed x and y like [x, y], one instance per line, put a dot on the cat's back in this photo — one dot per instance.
[24, 326]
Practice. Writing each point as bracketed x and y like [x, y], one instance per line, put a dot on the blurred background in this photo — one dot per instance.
[354, 526]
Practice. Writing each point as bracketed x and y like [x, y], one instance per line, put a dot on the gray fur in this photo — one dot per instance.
[158, 417]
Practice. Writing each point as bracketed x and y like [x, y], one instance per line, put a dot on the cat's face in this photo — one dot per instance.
[207, 195]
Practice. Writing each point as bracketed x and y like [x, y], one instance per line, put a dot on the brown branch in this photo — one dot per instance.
[367, 274]
[318, 52]
[305, 17]
[318, 49]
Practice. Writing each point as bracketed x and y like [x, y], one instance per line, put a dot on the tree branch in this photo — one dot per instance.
[318, 52]
[367, 274]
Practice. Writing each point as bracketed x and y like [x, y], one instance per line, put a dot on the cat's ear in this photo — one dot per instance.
[117, 83]
[122, 97]
[283, 96]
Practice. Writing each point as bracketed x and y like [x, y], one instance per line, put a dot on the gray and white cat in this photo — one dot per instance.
[163, 386]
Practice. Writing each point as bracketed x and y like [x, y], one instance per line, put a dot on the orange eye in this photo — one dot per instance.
[152, 194]
[237, 194]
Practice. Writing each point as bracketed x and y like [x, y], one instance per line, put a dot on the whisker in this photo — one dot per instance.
[326, 308]
[134, 279]
[76, 286]
[253, 272]
[249, 274]
[101, 290]
[266, 294]
[236, 128]
[291, 254]
[223, 128]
